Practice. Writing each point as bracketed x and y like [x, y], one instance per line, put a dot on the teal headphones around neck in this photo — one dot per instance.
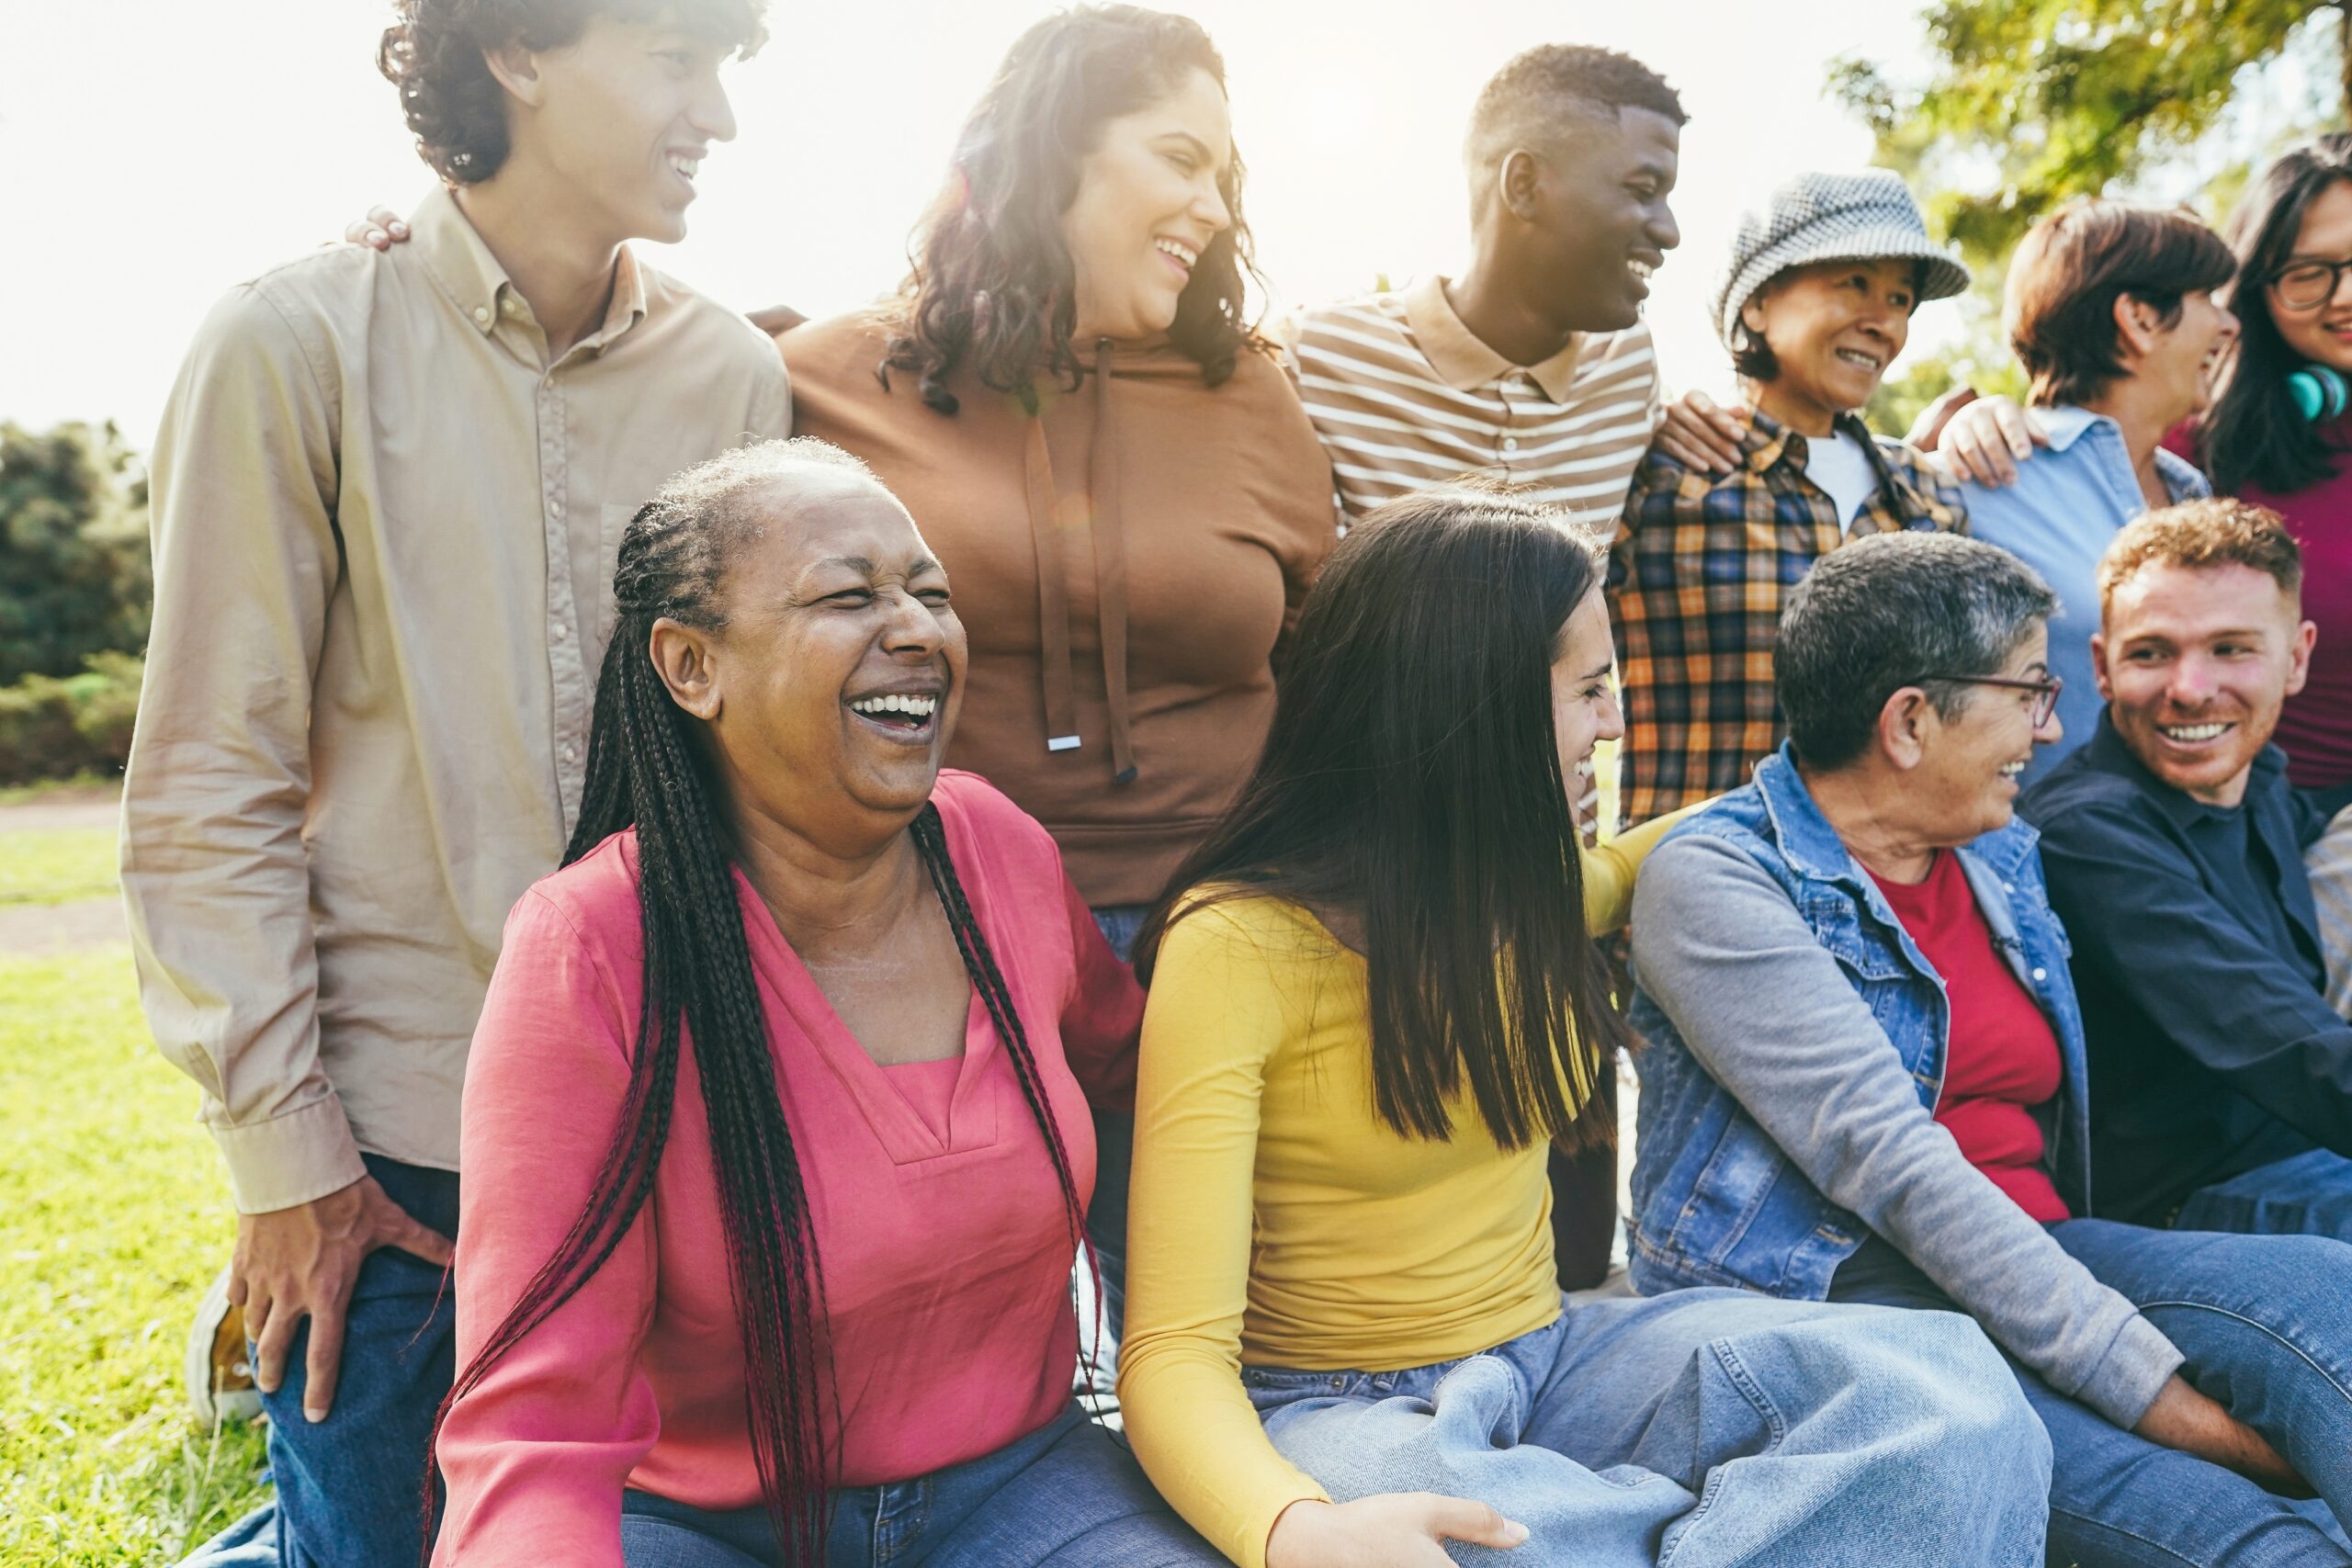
[2318, 392]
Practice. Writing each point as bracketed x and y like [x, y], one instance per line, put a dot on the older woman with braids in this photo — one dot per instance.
[1066, 396]
[776, 1116]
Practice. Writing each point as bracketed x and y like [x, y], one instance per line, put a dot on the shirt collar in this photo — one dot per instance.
[1463, 360]
[1812, 846]
[458, 259]
[2183, 479]
[2109, 754]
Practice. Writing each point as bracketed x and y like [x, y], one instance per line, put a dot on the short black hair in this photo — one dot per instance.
[458, 110]
[1521, 103]
[1873, 616]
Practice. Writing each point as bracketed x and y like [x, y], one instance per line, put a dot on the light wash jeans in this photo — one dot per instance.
[1698, 1429]
[1067, 1495]
[2265, 1322]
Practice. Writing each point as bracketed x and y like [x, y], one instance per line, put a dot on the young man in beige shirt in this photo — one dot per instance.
[388, 491]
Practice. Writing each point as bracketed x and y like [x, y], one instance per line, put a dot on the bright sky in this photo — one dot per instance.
[154, 151]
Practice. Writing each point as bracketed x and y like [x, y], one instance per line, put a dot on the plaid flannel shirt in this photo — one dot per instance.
[1697, 578]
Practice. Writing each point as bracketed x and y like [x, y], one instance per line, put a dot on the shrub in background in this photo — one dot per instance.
[56, 727]
[74, 578]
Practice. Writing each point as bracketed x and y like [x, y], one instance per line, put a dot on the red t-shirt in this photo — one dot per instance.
[2003, 1056]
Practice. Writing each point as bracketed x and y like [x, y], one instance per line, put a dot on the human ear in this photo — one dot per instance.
[682, 657]
[1902, 728]
[517, 70]
[2300, 670]
[2099, 667]
[2137, 326]
[1517, 181]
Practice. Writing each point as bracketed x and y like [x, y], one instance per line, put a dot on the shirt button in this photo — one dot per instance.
[2042, 973]
[561, 631]
[511, 305]
[570, 752]
[481, 315]
[1510, 443]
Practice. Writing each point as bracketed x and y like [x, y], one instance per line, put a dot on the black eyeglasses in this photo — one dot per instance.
[2309, 283]
[2044, 687]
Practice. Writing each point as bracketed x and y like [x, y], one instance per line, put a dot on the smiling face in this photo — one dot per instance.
[621, 118]
[2195, 663]
[1599, 223]
[832, 691]
[1834, 327]
[1584, 700]
[1965, 782]
[2321, 334]
[1148, 203]
[2180, 361]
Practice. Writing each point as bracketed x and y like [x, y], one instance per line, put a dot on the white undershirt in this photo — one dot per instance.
[1840, 465]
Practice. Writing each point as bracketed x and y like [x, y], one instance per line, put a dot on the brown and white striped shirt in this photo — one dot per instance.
[1405, 396]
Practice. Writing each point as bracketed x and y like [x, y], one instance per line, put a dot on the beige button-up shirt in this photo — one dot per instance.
[385, 527]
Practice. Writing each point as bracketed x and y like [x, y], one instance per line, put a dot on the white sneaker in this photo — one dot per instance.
[218, 1367]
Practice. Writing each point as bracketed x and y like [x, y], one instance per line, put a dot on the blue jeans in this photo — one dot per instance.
[1702, 1428]
[1067, 1495]
[351, 1489]
[2307, 1194]
[1106, 1216]
[2265, 1322]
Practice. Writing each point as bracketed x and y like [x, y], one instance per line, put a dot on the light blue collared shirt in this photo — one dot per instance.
[2069, 502]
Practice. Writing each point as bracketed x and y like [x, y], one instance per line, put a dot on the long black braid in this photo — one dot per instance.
[644, 773]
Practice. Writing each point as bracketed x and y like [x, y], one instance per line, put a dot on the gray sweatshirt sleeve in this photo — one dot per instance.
[1769, 1014]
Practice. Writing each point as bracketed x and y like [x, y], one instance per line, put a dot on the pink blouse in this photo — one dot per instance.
[944, 1249]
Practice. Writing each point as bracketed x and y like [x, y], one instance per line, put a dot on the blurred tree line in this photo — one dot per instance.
[2030, 103]
[75, 591]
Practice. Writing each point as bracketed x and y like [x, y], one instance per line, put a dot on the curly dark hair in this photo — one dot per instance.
[991, 282]
[433, 55]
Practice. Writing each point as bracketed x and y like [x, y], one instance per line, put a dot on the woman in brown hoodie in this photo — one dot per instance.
[1116, 473]
[1119, 479]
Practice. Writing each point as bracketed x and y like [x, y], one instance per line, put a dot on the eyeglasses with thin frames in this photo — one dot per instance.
[2307, 284]
[2044, 687]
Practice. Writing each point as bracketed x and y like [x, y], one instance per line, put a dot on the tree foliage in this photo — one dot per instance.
[2068, 98]
[74, 578]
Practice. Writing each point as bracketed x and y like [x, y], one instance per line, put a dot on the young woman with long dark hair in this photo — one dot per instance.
[1374, 1001]
[1066, 395]
[776, 1120]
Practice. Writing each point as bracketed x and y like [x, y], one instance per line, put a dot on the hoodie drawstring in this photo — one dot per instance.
[1056, 666]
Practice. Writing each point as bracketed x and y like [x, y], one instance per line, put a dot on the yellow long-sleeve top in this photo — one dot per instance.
[1276, 1220]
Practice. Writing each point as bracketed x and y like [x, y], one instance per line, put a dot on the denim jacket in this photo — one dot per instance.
[1797, 1041]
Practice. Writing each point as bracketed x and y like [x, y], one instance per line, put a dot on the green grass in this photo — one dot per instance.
[43, 789]
[57, 866]
[113, 1218]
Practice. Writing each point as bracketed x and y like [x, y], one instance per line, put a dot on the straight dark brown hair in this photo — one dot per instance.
[1412, 779]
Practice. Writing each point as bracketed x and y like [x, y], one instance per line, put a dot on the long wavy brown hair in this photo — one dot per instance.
[993, 285]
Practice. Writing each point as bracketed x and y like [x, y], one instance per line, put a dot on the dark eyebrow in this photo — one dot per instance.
[1598, 671]
[856, 563]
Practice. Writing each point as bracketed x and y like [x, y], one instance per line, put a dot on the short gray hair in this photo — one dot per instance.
[1875, 615]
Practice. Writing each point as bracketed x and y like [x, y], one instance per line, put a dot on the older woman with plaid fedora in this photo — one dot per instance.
[1813, 305]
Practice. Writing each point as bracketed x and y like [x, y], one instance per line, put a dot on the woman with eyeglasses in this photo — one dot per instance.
[1867, 1081]
[2277, 429]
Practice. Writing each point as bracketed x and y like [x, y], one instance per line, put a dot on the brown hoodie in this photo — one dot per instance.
[1125, 562]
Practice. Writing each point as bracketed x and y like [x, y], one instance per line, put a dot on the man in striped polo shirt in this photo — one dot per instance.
[1533, 364]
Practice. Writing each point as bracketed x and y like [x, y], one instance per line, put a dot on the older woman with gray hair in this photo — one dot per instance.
[1866, 1080]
